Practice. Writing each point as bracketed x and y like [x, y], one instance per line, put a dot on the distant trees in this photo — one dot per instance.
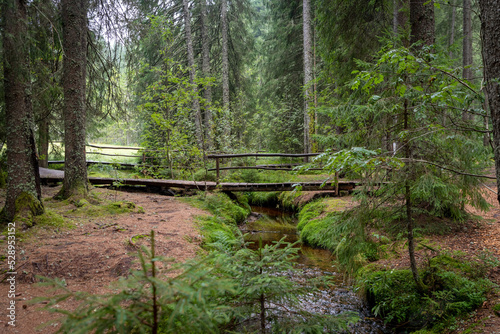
[207, 93]
[192, 73]
[216, 52]
[23, 181]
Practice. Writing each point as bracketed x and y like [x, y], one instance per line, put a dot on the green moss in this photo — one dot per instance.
[262, 198]
[221, 228]
[243, 201]
[454, 261]
[81, 203]
[27, 206]
[3, 178]
[287, 199]
[214, 230]
[113, 208]
[394, 297]
[221, 206]
[496, 309]
[52, 219]
[310, 212]
[313, 231]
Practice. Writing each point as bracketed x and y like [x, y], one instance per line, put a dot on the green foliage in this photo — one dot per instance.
[496, 308]
[149, 300]
[310, 211]
[214, 230]
[221, 227]
[263, 198]
[264, 295]
[344, 235]
[233, 288]
[203, 175]
[394, 296]
[405, 135]
[223, 208]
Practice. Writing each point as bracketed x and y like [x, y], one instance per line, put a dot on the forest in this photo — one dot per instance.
[373, 124]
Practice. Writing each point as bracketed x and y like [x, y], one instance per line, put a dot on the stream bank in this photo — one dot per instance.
[269, 225]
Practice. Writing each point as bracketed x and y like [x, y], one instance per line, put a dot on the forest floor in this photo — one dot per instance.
[100, 248]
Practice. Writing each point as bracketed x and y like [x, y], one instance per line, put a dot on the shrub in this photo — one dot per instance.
[203, 175]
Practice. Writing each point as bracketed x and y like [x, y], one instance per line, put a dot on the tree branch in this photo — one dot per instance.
[448, 169]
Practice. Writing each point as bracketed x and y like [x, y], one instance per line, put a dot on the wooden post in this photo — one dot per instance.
[217, 169]
[143, 157]
[337, 184]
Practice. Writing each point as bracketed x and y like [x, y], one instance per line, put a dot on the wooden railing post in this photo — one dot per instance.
[337, 184]
[217, 169]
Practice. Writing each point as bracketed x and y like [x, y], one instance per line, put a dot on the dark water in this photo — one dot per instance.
[272, 225]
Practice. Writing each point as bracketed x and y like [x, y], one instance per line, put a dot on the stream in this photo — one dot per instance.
[272, 225]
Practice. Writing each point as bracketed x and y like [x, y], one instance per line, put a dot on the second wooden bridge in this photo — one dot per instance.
[51, 176]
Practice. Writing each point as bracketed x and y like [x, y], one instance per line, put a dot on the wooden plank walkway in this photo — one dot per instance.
[51, 175]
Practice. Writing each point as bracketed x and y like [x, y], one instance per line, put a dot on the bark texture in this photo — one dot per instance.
[452, 25]
[399, 19]
[43, 142]
[422, 22]
[225, 57]
[490, 37]
[422, 32]
[23, 180]
[467, 49]
[74, 19]
[306, 16]
[207, 94]
[192, 72]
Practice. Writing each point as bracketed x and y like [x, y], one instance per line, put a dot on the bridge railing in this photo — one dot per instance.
[283, 166]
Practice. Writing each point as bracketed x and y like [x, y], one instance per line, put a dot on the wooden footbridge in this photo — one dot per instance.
[53, 176]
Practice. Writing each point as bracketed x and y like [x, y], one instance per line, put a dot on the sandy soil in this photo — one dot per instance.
[95, 253]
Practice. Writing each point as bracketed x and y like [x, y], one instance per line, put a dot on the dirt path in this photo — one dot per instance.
[96, 252]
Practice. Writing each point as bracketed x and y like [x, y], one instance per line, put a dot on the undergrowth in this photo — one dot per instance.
[226, 214]
[455, 288]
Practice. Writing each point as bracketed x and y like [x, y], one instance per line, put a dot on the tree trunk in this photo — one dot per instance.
[43, 142]
[192, 73]
[422, 22]
[207, 94]
[452, 26]
[422, 32]
[225, 64]
[399, 20]
[467, 50]
[490, 35]
[74, 19]
[408, 205]
[23, 179]
[306, 16]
